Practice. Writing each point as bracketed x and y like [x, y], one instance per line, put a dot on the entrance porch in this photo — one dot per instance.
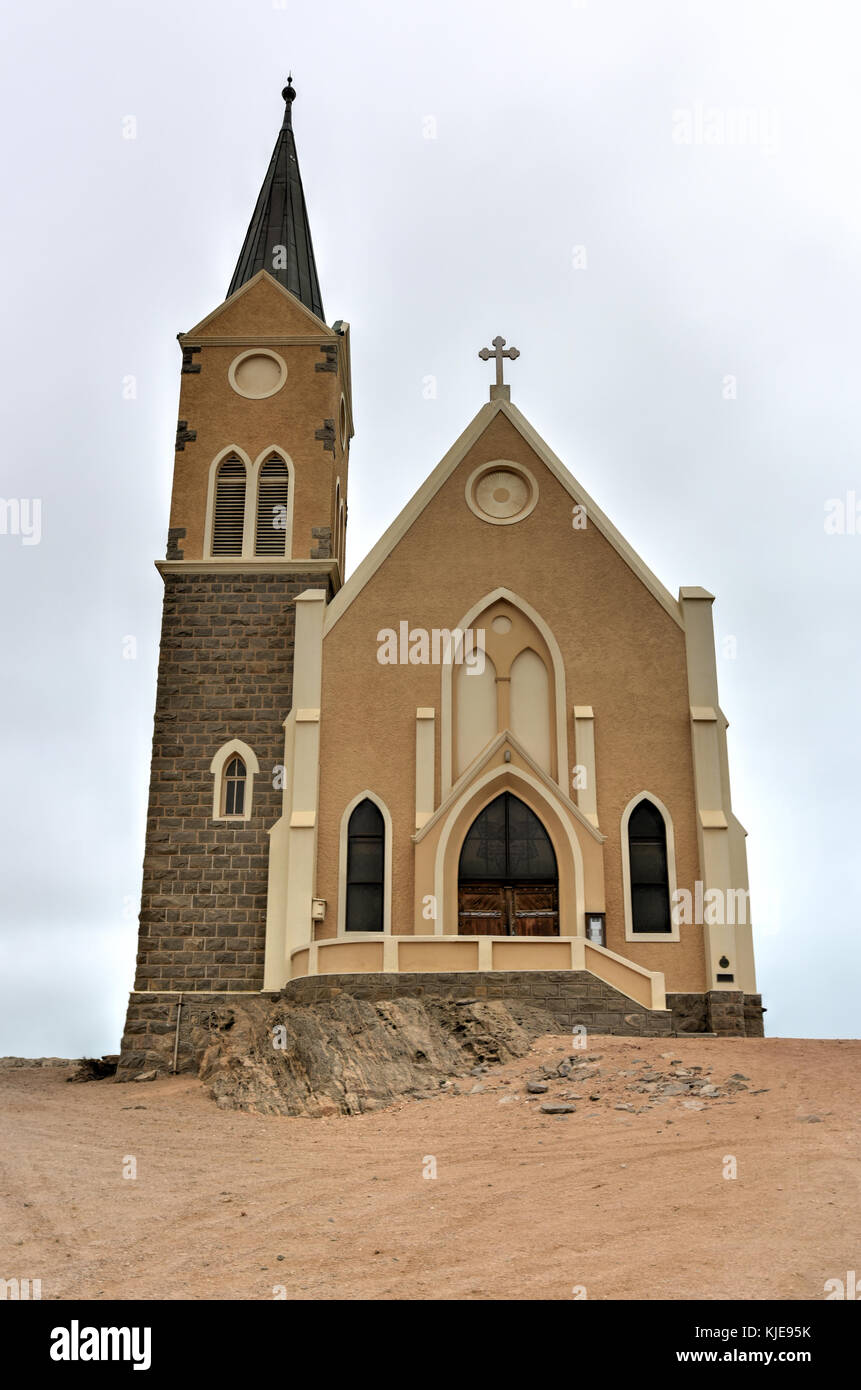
[373, 953]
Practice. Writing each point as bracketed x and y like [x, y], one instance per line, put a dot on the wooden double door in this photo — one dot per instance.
[508, 909]
[507, 877]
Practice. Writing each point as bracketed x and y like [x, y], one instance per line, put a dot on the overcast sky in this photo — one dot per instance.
[657, 203]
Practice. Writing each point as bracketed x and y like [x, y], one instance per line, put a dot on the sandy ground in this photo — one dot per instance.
[633, 1206]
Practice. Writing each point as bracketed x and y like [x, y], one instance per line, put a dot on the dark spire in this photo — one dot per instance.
[279, 238]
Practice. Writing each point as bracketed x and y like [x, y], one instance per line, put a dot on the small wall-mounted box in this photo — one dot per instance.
[318, 909]
[596, 928]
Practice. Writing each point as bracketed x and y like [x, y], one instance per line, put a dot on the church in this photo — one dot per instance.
[490, 763]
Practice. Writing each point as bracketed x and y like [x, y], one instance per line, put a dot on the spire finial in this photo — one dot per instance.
[278, 239]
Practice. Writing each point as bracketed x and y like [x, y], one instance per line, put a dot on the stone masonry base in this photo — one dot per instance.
[572, 997]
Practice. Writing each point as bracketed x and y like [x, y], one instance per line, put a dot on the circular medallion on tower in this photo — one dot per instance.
[257, 374]
[501, 492]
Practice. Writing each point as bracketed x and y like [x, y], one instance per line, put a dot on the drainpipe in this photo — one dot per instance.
[176, 1038]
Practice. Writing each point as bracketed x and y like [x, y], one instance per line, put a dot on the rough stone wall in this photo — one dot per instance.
[150, 1032]
[754, 1022]
[729, 1013]
[225, 671]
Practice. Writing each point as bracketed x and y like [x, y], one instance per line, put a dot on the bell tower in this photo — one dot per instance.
[265, 410]
[258, 517]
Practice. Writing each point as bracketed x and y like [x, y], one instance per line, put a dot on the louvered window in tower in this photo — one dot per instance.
[272, 496]
[229, 523]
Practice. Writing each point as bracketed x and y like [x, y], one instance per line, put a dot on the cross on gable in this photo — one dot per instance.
[500, 389]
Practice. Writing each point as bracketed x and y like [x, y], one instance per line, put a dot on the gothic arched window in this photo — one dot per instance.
[228, 526]
[650, 884]
[233, 768]
[234, 788]
[366, 837]
[273, 489]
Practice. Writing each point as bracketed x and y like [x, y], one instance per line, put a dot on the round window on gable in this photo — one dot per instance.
[257, 374]
[501, 492]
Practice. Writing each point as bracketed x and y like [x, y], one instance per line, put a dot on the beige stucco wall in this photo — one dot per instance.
[287, 419]
[623, 654]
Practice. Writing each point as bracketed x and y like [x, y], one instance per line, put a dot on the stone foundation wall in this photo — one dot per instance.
[729, 1013]
[571, 996]
[150, 1031]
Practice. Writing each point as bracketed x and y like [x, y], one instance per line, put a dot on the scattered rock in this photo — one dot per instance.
[537, 1088]
[624, 1107]
[95, 1068]
[810, 1119]
[556, 1109]
[146, 1076]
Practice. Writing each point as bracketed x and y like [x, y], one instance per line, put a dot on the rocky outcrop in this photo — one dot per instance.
[347, 1055]
[6, 1063]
